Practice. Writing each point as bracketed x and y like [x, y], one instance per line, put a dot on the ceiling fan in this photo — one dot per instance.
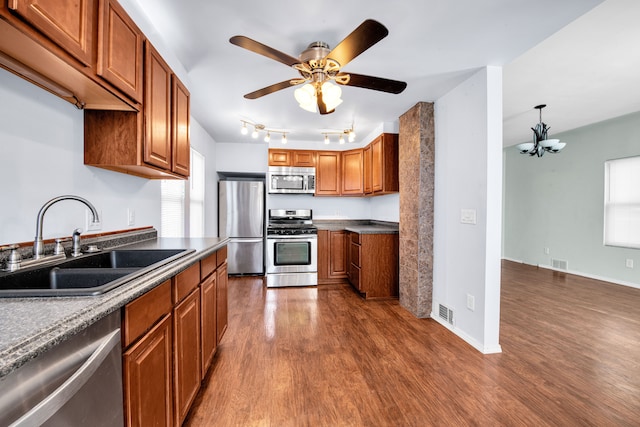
[318, 66]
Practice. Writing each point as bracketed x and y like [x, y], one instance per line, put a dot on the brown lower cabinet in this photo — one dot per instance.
[170, 336]
[332, 256]
[373, 264]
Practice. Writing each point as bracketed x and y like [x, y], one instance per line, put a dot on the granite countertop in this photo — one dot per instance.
[30, 326]
[358, 226]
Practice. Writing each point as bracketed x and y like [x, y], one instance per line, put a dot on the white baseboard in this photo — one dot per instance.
[579, 273]
[468, 339]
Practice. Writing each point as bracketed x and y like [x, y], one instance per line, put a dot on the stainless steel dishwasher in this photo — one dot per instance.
[76, 383]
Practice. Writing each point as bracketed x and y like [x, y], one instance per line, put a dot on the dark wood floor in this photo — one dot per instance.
[324, 357]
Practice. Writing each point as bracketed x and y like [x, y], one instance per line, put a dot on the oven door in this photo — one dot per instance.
[292, 254]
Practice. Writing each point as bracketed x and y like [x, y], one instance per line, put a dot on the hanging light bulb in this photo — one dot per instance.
[306, 97]
[326, 139]
[331, 95]
[341, 139]
[244, 129]
[352, 136]
[254, 134]
[284, 138]
[267, 137]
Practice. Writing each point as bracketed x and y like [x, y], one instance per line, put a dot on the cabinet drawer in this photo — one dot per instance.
[354, 254]
[141, 314]
[208, 265]
[186, 282]
[355, 237]
[222, 255]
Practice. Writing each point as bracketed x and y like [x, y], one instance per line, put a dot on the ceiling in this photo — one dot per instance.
[433, 45]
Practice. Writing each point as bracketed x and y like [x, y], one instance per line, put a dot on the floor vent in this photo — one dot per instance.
[446, 313]
[559, 264]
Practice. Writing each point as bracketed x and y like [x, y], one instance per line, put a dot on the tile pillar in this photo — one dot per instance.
[416, 174]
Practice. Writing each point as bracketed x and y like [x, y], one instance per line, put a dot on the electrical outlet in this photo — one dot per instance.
[131, 217]
[89, 225]
[546, 251]
[471, 302]
[629, 263]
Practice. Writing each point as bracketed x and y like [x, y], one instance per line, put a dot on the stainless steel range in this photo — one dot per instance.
[292, 248]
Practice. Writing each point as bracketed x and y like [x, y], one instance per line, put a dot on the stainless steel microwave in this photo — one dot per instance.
[291, 180]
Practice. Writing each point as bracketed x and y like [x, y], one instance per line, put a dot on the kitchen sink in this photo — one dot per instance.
[92, 274]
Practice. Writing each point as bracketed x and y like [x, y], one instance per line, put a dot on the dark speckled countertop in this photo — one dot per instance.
[361, 226]
[30, 326]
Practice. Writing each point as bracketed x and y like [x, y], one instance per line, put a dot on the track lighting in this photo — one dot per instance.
[350, 133]
[257, 128]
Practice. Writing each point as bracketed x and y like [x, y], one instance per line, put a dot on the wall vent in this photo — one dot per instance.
[445, 313]
[559, 264]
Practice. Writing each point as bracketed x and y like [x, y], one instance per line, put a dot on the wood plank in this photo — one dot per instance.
[324, 356]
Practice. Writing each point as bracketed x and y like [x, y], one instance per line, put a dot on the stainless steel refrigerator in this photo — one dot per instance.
[241, 219]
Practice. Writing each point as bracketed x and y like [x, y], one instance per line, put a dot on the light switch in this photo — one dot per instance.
[468, 216]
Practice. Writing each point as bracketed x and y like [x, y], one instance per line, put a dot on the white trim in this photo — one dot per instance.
[468, 339]
[579, 273]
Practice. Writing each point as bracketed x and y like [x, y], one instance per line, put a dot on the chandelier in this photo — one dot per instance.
[541, 143]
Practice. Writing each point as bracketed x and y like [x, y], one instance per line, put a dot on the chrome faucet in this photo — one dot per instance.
[38, 245]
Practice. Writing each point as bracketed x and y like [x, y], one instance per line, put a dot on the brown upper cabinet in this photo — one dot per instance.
[328, 173]
[352, 173]
[69, 23]
[370, 171]
[151, 144]
[120, 49]
[296, 158]
[384, 165]
[55, 45]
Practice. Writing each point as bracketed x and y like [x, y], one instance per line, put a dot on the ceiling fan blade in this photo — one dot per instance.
[269, 89]
[375, 83]
[263, 49]
[362, 38]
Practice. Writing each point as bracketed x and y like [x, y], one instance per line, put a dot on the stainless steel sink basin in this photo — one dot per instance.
[92, 274]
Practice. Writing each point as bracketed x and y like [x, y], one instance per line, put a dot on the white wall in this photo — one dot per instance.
[557, 202]
[202, 142]
[41, 146]
[468, 175]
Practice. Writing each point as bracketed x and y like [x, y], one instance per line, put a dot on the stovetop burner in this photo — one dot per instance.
[290, 222]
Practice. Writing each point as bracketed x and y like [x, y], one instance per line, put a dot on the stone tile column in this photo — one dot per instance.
[416, 154]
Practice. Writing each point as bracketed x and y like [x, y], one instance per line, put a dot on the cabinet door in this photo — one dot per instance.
[69, 23]
[221, 302]
[187, 376]
[338, 254]
[323, 255]
[180, 127]
[303, 158]
[377, 165]
[352, 173]
[147, 378]
[208, 324]
[328, 173]
[120, 51]
[157, 109]
[280, 157]
[367, 166]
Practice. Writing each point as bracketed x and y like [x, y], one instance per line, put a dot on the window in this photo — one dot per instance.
[622, 202]
[182, 206]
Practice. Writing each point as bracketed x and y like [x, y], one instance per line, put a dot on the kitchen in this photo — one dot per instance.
[45, 134]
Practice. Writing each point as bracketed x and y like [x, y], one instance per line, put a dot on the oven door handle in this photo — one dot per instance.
[245, 240]
[292, 237]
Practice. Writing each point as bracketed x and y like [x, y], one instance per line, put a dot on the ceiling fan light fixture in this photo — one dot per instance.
[306, 97]
[331, 95]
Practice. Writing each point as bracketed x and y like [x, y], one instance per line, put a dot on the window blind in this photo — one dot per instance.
[622, 202]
